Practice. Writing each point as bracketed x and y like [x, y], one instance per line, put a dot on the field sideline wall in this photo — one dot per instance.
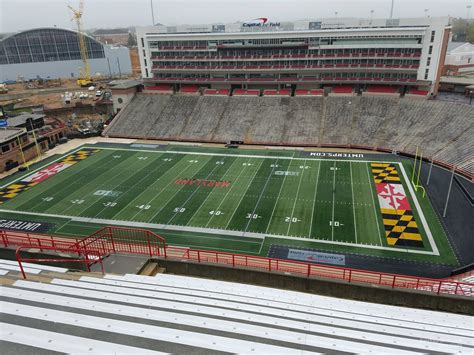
[443, 130]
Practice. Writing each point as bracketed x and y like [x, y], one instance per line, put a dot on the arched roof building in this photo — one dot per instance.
[54, 53]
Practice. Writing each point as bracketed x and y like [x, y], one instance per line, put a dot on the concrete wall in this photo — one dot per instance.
[70, 68]
[362, 292]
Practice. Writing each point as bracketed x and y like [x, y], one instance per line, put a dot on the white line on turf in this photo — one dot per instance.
[164, 188]
[314, 202]
[234, 184]
[106, 184]
[155, 168]
[260, 197]
[333, 200]
[353, 204]
[296, 198]
[101, 221]
[245, 155]
[210, 193]
[420, 211]
[276, 201]
[375, 206]
[243, 195]
[41, 167]
[190, 197]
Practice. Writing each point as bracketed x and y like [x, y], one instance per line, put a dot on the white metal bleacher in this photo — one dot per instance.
[177, 314]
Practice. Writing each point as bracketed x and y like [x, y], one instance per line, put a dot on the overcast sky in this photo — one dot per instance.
[18, 15]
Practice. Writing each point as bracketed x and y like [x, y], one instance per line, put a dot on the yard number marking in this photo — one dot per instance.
[143, 207]
[215, 213]
[252, 216]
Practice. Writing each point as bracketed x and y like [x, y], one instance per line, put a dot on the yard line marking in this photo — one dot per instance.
[243, 195]
[296, 198]
[375, 206]
[60, 178]
[333, 200]
[106, 183]
[314, 202]
[249, 155]
[145, 175]
[193, 193]
[353, 204]
[210, 193]
[187, 166]
[276, 201]
[215, 231]
[260, 197]
[228, 192]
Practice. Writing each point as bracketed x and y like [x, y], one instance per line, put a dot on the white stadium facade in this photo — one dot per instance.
[403, 53]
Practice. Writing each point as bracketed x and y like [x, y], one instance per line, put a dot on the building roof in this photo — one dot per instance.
[457, 80]
[454, 45]
[124, 84]
[8, 133]
[112, 31]
[19, 120]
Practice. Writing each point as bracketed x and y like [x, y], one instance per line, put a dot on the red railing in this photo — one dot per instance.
[394, 281]
[143, 242]
[88, 258]
[124, 240]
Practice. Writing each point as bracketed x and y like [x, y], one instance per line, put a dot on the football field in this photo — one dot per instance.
[289, 198]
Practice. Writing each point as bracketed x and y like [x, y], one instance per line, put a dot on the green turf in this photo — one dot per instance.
[274, 197]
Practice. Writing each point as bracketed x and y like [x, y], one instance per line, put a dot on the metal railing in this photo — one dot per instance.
[143, 242]
[88, 258]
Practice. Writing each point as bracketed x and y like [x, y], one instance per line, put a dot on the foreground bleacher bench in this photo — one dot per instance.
[176, 314]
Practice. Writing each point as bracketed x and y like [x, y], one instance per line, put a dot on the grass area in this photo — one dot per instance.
[230, 200]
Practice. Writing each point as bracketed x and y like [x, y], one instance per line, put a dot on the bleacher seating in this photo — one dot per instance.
[70, 313]
[224, 92]
[189, 89]
[342, 89]
[307, 92]
[243, 92]
[167, 88]
[281, 92]
[444, 130]
[383, 89]
[418, 92]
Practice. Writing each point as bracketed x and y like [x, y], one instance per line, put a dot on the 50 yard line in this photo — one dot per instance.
[333, 199]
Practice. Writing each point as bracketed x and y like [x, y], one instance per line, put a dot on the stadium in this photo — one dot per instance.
[265, 187]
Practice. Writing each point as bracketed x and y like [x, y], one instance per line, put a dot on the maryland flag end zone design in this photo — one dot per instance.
[9, 192]
[400, 226]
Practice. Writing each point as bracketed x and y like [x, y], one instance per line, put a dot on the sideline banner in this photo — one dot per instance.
[316, 257]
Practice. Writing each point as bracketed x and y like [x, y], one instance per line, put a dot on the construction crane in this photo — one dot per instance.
[84, 75]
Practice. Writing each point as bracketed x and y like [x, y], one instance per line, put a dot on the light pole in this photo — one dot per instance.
[391, 9]
[468, 12]
[152, 13]
[371, 16]
[426, 12]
